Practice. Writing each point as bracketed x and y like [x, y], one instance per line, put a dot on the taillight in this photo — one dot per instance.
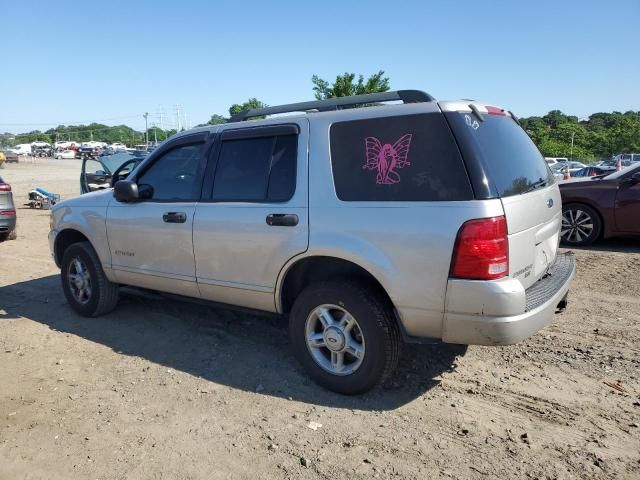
[481, 251]
[8, 212]
[5, 187]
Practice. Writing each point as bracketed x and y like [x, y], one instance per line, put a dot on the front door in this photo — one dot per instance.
[254, 213]
[628, 205]
[151, 240]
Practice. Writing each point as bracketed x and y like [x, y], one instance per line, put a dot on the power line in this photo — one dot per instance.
[68, 123]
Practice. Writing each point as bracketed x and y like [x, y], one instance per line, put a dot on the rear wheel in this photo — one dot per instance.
[581, 225]
[85, 284]
[344, 336]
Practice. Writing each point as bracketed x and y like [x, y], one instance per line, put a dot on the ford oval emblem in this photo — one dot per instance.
[550, 203]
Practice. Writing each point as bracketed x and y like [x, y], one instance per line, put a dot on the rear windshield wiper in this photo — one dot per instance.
[535, 185]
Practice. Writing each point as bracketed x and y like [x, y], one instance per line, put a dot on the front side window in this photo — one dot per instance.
[259, 169]
[174, 176]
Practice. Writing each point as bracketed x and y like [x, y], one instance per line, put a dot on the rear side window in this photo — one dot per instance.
[256, 169]
[513, 162]
[405, 158]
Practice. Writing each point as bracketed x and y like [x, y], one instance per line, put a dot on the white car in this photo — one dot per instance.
[118, 147]
[22, 149]
[65, 154]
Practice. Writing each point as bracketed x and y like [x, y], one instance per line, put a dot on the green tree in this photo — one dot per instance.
[216, 120]
[345, 85]
[248, 105]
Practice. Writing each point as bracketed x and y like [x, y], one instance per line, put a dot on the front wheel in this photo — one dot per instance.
[84, 282]
[344, 335]
[581, 225]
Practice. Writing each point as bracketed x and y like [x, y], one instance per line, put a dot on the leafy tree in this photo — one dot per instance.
[602, 135]
[345, 85]
[216, 120]
[248, 105]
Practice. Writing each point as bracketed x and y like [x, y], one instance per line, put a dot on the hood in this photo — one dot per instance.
[100, 198]
[576, 180]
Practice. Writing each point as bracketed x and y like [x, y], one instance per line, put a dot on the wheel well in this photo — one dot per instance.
[64, 239]
[314, 269]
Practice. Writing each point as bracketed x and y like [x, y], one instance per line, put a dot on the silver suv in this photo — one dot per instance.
[368, 224]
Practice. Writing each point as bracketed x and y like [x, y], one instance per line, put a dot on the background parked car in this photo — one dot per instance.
[7, 212]
[560, 168]
[65, 154]
[118, 147]
[87, 151]
[10, 157]
[42, 151]
[593, 171]
[595, 207]
[22, 149]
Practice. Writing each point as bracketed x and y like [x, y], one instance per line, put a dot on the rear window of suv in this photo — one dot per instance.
[511, 159]
[403, 158]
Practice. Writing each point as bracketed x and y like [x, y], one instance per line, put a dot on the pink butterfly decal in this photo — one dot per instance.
[386, 158]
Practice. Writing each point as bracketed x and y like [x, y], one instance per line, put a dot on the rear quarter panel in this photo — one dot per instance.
[406, 246]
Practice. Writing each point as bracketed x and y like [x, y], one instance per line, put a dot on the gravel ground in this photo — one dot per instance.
[164, 389]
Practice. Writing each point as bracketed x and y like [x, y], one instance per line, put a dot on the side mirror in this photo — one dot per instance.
[126, 191]
[635, 178]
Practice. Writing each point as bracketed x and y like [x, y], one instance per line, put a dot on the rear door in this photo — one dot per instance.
[253, 216]
[513, 170]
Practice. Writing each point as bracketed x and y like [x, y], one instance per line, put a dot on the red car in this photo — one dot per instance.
[601, 207]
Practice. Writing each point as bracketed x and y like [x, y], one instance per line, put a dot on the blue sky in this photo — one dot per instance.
[110, 61]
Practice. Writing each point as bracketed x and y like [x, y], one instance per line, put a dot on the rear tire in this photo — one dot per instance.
[84, 282]
[344, 335]
[581, 225]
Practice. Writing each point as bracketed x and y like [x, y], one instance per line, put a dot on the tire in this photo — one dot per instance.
[374, 335]
[101, 296]
[12, 235]
[581, 225]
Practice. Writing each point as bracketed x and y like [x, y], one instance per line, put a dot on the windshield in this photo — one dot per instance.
[623, 172]
[513, 162]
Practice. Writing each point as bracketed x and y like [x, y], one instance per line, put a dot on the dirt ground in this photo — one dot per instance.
[161, 389]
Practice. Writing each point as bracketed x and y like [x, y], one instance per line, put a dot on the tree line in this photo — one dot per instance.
[556, 134]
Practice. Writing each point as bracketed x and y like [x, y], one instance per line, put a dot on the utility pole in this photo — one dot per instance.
[573, 134]
[146, 129]
[178, 118]
[155, 136]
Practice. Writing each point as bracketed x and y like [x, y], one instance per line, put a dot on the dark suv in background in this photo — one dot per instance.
[7, 212]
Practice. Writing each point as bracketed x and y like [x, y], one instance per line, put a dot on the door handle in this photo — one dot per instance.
[282, 219]
[174, 217]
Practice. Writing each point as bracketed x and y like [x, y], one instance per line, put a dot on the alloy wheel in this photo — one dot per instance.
[79, 281]
[577, 225]
[335, 340]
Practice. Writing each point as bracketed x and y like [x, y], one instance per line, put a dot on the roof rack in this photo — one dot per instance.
[407, 96]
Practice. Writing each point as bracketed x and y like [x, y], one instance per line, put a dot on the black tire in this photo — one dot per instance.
[376, 326]
[581, 225]
[104, 294]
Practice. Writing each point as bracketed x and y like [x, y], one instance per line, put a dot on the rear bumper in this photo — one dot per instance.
[7, 223]
[498, 317]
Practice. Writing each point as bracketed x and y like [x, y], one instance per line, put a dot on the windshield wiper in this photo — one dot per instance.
[535, 185]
